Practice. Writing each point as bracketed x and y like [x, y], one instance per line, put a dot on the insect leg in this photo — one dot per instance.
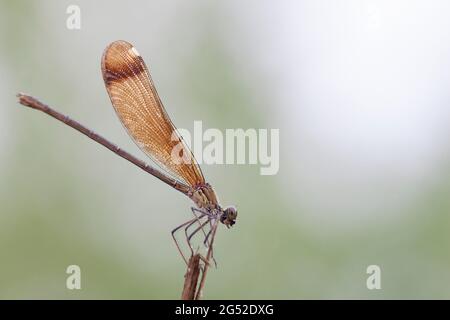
[175, 240]
[197, 218]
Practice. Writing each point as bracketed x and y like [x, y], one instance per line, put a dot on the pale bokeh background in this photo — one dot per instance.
[360, 93]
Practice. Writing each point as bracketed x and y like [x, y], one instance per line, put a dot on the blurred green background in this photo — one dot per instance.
[358, 89]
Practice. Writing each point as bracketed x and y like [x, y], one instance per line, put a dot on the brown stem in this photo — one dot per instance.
[191, 278]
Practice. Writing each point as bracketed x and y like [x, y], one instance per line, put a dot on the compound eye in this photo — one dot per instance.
[231, 212]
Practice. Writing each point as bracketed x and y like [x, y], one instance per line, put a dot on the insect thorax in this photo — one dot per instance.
[205, 198]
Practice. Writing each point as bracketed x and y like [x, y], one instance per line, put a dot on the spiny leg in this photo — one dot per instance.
[202, 212]
[175, 240]
[206, 243]
[198, 229]
[187, 228]
[206, 236]
[211, 218]
[209, 243]
[213, 222]
[190, 222]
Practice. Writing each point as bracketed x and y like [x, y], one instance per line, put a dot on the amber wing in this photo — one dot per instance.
[141, 112]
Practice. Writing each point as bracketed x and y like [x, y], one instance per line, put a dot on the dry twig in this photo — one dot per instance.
[191, 278]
